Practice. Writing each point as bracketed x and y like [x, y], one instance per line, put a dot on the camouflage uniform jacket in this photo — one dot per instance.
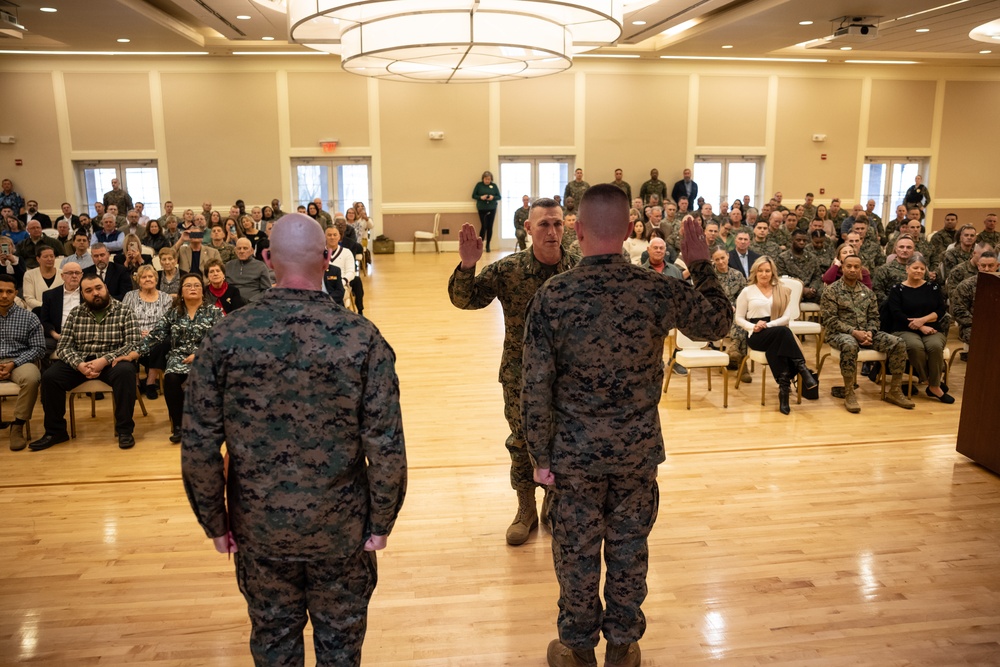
[512, 280]
[119, 198]
[942, 239]
[929, 252]
[953, 258]
[993, 238]
[624, 187]
[656, 187]
[766, 247]
[878, 229]
[887, 276]
[781, 237]
[846, 309]
[963, 297]
[575, 189]
[838, 219]
[520, 216]
[805, 267]
[824, 256]
[593, 361]
[892, 228]
[569, 236]
[732, 283]
[305, 396]
[871, 253]
[960, 274]
[808, 213]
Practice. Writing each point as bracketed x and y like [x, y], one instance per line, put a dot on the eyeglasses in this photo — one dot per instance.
[72, 273]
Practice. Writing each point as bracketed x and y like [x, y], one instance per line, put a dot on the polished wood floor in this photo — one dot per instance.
[821, 538]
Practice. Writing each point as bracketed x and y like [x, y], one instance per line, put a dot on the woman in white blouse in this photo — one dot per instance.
[340, 256]
[638, 241]
[763, 310]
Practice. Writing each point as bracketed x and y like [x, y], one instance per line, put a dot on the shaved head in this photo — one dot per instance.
[297, 253]
[603, 217]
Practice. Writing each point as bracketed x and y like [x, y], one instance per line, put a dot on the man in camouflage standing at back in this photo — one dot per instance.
[593, 372]
[514, 280]
[317, 466]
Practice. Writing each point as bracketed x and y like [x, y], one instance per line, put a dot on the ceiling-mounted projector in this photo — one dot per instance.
[855, 28]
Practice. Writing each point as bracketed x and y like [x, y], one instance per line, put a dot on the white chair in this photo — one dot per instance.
[694, 354]
[429, 236]
[758, 357]
[92, 387]
[863, 356]
[53, 233]
[802, 327]
[11, 389]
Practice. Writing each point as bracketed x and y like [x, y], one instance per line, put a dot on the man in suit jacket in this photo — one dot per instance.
[685, 188]
[186, 252]
[67, 214]
[742, 258]
[31, 213]
[57, 304]
[116, 277]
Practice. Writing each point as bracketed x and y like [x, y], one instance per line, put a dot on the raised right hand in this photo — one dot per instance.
[470, 246]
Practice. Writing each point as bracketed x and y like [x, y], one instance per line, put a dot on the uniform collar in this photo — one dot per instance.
[534, 267]
[289, 294]
[616, 258]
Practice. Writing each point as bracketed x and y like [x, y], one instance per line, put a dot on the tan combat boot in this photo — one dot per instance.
[896, 395]
[623, 655]
[850, 400]
[526, 519]
[17, 441]
[560, 655]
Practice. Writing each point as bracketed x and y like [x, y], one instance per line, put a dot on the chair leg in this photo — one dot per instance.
[689, 390]
[763, 382]
[739, 371]
[819, 346]
[93, 405]
[725, 387]
[436, 249]
[670, 371]
[709, 370]
[414, 246]
[821, 362]
[72, 416]
[883, 379]
[142, 405]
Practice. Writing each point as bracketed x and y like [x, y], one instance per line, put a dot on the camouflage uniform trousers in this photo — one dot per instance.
[522, 236]
[617, 510]
[893, 347]
[522, 473]
[282, 595]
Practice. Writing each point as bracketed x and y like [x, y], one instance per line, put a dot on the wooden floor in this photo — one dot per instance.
[820, 538]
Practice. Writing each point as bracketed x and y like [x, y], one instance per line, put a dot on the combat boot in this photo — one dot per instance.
[560, 655]
[623, 655]
[850, 400]
[17, 441]
[526, 519]
[896, 396]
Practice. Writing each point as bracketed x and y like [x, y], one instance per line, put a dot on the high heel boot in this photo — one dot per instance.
[808, 379]
[784, 390]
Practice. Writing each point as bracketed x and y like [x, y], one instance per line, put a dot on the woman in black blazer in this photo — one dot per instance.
[218, 291]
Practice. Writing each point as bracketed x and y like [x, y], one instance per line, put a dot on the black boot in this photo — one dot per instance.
[784, 389]
[808, 379]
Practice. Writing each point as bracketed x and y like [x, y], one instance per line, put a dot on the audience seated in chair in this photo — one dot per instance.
[22, 344]
[963, 297]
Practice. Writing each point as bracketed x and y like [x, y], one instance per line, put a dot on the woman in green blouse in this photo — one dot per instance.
[487, 194]
[183, 326]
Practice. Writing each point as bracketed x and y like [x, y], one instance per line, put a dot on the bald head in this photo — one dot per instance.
[603, 220]
[297, 253]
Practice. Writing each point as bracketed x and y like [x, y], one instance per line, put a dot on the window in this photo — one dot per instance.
[729, 177]
[886, 180]
[339, 183]
[140, 179]
[533, 176]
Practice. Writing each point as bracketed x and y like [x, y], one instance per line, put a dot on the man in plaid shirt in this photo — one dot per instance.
[97, 333]
[21, 343]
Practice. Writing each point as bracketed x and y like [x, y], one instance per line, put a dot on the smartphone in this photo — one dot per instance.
[5, 249]
[134, 247]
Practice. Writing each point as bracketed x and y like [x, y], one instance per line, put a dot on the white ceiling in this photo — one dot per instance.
[752, 28]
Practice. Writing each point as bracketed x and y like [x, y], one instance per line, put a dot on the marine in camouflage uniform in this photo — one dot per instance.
[593, 373]
[824, 256]
[953, 258]
[887, 276]
[513, 281]
[942, 239]
[781, 237]
[765, 247]
[962, 299]
[656, 187]
[305, 396]
[119, 198]
[847, 308]
[803, 266]
[993, 238]
[959, 275]
[520, 215]
[732, 282]
[575, 189]
[871, 253]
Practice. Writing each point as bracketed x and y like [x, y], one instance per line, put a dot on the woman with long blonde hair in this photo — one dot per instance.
[763, 310]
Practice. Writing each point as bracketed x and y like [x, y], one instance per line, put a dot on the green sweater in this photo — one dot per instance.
[483, 189]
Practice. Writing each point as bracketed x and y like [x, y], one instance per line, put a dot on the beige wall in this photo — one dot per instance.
[227, 128]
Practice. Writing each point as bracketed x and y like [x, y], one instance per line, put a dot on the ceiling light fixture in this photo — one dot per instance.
[638, 23]
[985, 52]
[124, 40]
[727, 46]
[883, 62]
[846, 48]
[48, 10]
[923, 29]
[756, 60]
[280, 53]
[102, 53]
[606, 55]
[679, 28]
[244, 17]
[268, 39]
[453, 40]
[805, 22]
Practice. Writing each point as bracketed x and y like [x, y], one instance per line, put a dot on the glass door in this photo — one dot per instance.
[886, 180]
[139, 178]
[729, 177]
[532, 176]
[338, 183]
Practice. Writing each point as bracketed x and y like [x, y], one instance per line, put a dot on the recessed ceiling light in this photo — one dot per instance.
[923, 29]
[727, 46]
[638, 23]
[985, 52]
[243, 17]
[124, 40]
[805, 22]
[50, 10]
[846, 48]
[268, 39]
